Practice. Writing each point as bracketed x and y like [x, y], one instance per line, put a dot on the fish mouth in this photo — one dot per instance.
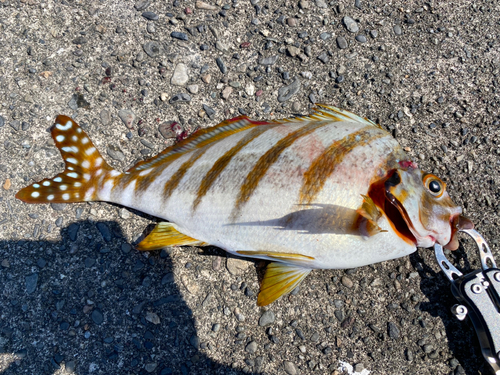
[398, 217]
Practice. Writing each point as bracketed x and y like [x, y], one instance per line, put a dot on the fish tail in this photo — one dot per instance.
[85, 175]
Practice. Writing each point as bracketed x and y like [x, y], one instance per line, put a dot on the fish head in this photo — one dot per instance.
[422, 202]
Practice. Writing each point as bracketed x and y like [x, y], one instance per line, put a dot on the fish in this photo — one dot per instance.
[329, 190]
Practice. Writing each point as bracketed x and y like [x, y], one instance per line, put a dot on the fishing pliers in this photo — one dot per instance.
[478, 294]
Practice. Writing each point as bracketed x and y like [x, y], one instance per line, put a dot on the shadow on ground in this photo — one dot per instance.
[92, 304]
[461, 335]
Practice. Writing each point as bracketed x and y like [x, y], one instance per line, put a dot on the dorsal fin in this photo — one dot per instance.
[328, 113]
[199, 139]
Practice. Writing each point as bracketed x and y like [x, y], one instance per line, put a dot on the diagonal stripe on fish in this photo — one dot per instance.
[329, 190]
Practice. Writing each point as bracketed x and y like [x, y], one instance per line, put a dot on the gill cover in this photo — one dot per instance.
[425, 205]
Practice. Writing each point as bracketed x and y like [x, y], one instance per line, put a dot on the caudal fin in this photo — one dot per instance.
[85, 170]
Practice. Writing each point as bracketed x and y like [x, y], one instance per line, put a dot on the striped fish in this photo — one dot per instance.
[329, 190]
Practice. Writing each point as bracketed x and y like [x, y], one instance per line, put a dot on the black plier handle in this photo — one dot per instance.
[479, 295]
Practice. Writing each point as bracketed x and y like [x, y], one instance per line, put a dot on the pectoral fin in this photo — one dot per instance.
[370, 213]
[279, 279]
[164, 235]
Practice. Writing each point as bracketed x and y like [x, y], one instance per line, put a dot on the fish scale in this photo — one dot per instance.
[328, 190]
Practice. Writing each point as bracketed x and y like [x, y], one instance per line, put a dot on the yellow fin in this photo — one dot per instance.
[164, 235]
[329, 113]
[285, 257]
[370, 212]
[279, 279]
[368, 209]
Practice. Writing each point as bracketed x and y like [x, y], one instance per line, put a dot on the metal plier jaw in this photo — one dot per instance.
[479, 295]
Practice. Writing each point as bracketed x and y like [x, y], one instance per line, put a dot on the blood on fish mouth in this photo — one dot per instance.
[398, 216]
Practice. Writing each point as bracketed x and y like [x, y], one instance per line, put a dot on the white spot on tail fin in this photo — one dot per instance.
[57, 179]
[46, 183]
[77, 184]
[114, 173]
[64, 127]
[63, 187]
[78, 130]
[50, 197]
[65, 196]
[85, 140]
[70, 149]
[145, 172]
[86, 176]
[74, 138]
[72, 161]
[90, 150]
[60, 138]
[72, 175]
[36, 186]
[35, 194]
[86, 164]
[98, 162]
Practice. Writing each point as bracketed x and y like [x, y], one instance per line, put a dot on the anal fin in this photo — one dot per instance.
[164, 235]
[279, 279]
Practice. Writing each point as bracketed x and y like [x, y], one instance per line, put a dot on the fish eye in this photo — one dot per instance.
[435, 187]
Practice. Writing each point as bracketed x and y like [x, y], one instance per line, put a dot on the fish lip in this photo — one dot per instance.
[402, 211]
[457, 223]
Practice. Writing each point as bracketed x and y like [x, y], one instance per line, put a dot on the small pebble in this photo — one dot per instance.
[286, 92]
[341, 42]
[393, 331]
[350, 24]
[267, 318]
[179, 35]
[150, 16]
[361, 38]
[180, 76]
[251, 347]
[221, 65]
[152, 48]
[128, 117]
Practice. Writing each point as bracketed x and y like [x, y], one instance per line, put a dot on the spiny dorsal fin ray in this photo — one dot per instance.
[165, 235]
[329, 113]
[85, 167]
[199, 139]
[279, 279]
